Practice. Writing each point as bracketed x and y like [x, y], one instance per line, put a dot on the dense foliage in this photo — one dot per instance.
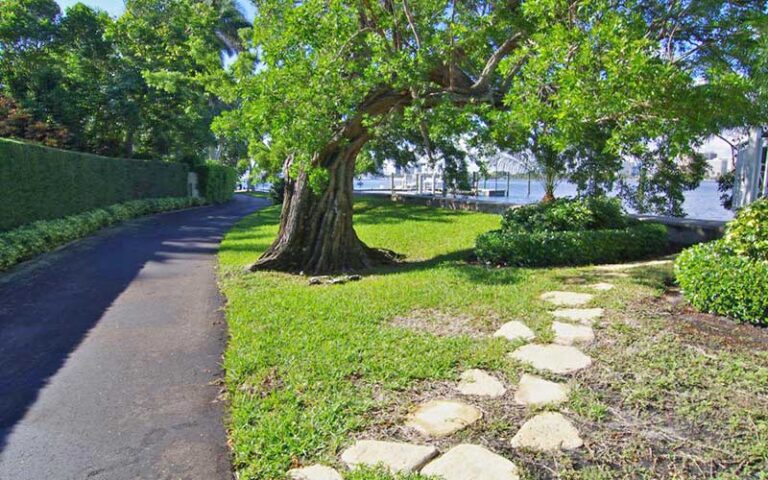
[129, 87]
[730, 276]
[716, 279]
[571, 247]
[39, 183]
[572, 231]
[592, 213]
[216, 182]
[45, 235]
[580, 85]
[748, 233]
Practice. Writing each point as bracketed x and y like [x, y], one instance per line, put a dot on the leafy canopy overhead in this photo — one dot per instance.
[646, 78]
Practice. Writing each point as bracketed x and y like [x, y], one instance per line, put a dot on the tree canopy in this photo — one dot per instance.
[132, 86]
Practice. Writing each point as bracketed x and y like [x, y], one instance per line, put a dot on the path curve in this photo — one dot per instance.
[109, 353]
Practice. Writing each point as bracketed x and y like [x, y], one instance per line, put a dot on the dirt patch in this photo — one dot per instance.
[705, 329]
[443, 324]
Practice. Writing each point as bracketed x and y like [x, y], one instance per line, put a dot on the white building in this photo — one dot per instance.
[751, 181]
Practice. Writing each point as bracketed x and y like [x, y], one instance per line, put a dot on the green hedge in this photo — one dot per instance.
[583, 247]
[45, 235]
[39, 183]
[216, 182]
[716, 279]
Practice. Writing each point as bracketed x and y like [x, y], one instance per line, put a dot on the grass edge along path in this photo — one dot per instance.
[311, 368]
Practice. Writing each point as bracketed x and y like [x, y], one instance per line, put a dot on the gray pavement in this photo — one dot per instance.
[110, 350]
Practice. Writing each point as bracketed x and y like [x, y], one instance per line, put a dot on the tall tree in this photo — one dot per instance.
[320, 78]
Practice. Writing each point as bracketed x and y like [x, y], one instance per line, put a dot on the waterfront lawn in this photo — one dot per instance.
[311, 368]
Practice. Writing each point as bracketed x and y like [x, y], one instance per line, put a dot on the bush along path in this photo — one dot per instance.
[545, 430]
[43, 236]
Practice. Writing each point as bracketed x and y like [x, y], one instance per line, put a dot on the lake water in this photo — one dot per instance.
[702, 203]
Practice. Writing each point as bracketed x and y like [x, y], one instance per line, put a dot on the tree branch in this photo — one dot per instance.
[409, 16]
[490, 67]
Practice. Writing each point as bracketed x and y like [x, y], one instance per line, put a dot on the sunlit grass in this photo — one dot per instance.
[305, 363]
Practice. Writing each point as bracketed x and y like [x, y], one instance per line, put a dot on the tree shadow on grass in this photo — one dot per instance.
[459, 262]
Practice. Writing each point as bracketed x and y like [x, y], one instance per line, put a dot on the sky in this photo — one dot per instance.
[116, 7]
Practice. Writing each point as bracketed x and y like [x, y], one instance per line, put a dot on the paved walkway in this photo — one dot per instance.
[108, 353]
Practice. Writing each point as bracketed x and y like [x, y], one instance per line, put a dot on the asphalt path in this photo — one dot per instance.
[110, 354]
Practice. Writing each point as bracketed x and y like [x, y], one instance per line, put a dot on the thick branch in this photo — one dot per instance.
[490, 67]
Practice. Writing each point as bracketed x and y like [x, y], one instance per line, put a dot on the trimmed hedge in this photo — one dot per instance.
[39, 183]
[216, 182]
[582, 247]
[716, 279]
[45, 235]
[730, 276]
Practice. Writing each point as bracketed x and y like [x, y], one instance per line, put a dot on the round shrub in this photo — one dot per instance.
[748, 233]
[716, 279]
[559, 248]
[566, 214]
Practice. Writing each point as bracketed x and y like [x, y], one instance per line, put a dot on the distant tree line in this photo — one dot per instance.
[131, 87]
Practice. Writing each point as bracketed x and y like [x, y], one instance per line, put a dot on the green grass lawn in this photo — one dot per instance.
[311, 368]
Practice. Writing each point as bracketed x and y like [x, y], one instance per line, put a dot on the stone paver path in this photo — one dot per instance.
[479, 383]
[314, 472]
[515, 330]
[395, 457]
[560, 359]
[547, 431]
[471, 462]
[536, 391]
[568, 333]
[438, 418]
[582, 315]
[567, 299]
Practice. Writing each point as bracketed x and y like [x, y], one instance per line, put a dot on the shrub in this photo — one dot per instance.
[30, 240]
[566, 215]
[216, 182]
[277, 191]
[748, 233]
[716, 279]
[39, 183]
[583, 247]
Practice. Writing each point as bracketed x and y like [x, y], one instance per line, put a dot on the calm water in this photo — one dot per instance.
[703, 203]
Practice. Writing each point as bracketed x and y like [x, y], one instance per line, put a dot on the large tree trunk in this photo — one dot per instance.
[316, 234]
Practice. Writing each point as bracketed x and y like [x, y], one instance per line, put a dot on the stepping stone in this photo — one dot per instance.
[581, 315]
[515, 330]
[315, 472]
[533, 390]
[438, 418]
[601, 286]
[477, 382]
[568, 333]
[395, 457]
[546, 432]
[627, 266]
[471, 462]
[554, 358]
[567, 299]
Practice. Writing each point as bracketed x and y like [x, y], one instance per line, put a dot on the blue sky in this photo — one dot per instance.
[116, 7]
